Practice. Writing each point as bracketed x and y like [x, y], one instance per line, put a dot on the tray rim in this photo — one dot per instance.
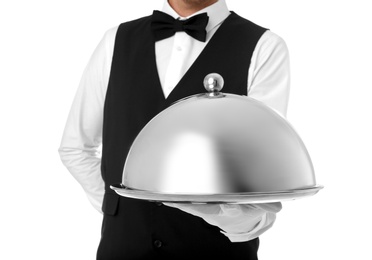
[225, 198]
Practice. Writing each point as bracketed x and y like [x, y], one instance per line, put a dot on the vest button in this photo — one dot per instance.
[159, 204]
[158, 243]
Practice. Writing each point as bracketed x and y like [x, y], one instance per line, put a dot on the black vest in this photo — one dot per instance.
[134, 96]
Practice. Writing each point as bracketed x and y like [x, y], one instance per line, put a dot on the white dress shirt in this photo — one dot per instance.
[268, 81]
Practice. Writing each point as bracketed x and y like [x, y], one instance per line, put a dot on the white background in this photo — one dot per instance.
[44, 48]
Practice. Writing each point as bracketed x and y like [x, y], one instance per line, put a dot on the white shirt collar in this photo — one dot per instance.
[217, 13]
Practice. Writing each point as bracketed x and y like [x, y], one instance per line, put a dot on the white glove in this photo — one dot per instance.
[238, 222]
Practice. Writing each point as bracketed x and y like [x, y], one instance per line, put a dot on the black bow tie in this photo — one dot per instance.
[164, 26]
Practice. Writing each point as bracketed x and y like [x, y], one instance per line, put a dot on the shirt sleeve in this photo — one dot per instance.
[269, 73]
[82, 137]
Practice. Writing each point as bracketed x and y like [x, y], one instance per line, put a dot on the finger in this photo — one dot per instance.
[273, 207]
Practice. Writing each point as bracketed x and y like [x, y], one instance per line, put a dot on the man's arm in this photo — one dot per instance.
[80, 146]
[268, 82]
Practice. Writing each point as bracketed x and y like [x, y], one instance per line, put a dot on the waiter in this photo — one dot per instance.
[140, 68]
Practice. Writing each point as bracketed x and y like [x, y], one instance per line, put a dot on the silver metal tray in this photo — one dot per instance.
[229, 198]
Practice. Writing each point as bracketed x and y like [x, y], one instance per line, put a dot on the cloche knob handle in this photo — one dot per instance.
[213, 83]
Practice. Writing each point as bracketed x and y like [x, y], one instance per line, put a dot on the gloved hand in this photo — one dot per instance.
[239, 222]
